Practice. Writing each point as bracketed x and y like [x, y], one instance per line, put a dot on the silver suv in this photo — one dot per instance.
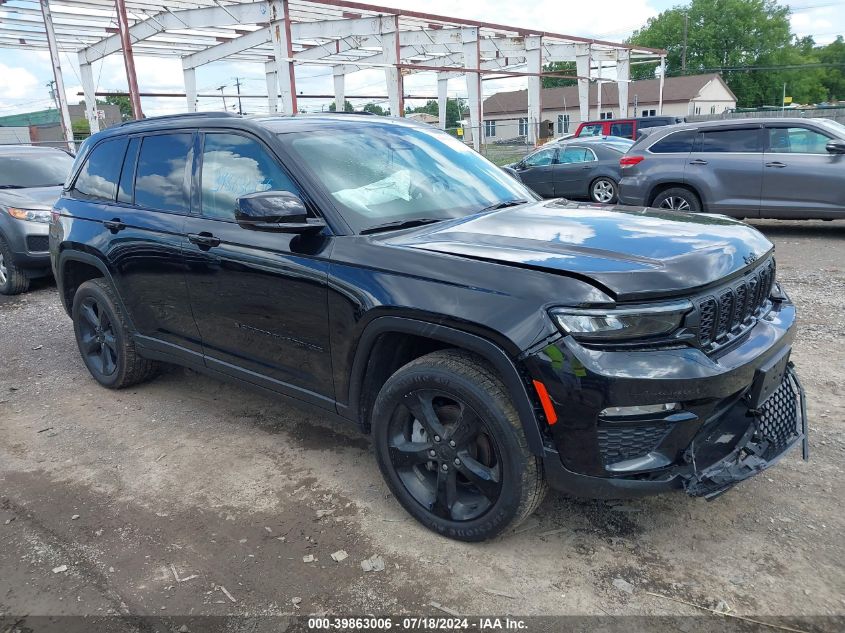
[747, 168]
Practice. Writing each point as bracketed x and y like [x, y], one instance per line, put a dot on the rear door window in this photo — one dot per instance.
[677, 143]
[234, 166]
[577, 155]
[625, 130]
[163, 175]
[735, 141]
[101, 171]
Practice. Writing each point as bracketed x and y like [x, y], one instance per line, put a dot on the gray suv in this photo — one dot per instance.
[747, 168]
[31, 181]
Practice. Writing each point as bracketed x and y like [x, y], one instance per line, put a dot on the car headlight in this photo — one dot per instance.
[621, 324]
[30, 215]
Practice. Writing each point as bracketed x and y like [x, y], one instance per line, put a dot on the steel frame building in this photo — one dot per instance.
[348, 36]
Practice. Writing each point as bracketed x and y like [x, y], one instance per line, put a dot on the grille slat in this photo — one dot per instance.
[725, 315]
[779, 421]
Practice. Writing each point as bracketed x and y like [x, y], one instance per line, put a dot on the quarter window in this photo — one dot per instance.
[797, 140]
[625, 130]
[677, 143]
[99, 176]
[739, 141]
[234, 166]
[163, 177]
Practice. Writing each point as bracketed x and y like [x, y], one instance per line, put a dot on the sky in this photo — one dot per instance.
[24, 74]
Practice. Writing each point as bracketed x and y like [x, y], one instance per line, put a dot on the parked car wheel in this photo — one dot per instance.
[679, 199]
[603, 190]
[451, 447]
[13, 281]
[104, 338]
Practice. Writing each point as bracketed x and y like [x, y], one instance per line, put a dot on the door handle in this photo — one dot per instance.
[114, 225]
[204, 239]
[776, 163]
[698, 161]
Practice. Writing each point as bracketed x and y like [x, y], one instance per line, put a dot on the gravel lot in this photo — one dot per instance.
[189, 478]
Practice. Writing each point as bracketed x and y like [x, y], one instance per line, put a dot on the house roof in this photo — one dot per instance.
[683, 88]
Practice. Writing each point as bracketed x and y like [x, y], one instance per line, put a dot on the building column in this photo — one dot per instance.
[534, 59]
[442, 98]
[272, 88]
[283, 54]
[190, 75]
[392, 73]
[339, 88]
[623, 75]
[470, 45]
[86, 76]
[582, 69]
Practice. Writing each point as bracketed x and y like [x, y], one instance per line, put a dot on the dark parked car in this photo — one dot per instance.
[30, 182]
[624, 128]
[493, 344]
[574, 168]
[752, 168]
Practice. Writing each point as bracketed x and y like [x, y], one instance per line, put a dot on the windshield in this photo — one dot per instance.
[386, 174]
[36, 169]
[833, 126]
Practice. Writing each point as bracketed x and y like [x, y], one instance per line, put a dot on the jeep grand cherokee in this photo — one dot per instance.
[493, 344]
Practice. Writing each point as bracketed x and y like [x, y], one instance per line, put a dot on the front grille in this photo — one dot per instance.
[617, 444]
[779, 421]
[730, 311]
[37, 243]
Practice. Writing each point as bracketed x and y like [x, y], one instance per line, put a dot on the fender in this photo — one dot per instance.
[87, 258]
[490, 352]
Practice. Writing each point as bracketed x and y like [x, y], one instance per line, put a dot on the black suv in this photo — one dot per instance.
[491, 342]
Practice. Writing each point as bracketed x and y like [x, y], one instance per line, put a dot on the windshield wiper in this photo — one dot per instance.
[505, 204]
[399, 224]
[12, 187]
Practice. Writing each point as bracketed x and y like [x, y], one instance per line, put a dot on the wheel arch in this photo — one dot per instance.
[364, 384]
[659, 188]
[74, 268]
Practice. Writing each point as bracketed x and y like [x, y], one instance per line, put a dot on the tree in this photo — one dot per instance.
[376, 109]
[347, 107]
[834, 75]
[121, 101]
[748, 41]
[567, 68]
[454, 110]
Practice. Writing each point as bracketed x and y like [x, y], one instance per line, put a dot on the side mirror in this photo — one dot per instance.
[836, 146]
[280, 211]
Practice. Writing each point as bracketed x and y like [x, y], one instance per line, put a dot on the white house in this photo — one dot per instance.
[506, 113]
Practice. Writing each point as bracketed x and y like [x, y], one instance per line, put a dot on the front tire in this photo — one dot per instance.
[452, 449]
[604, 190]
[104, 338]
[13, 281]
[678, 199]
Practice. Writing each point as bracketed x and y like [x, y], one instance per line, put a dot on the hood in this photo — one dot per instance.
[630, 252]
[31, 197]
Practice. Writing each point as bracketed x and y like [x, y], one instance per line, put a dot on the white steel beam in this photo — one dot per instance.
[339, 78]
[442, 98]
[392, 74]
[623, 75]
[227, 49]
[470, 43]
[190, 88]
[534, 56]
[582, 66]
[662, 82]
[86, 76]
[61, 98]
[283, 53]
[272, 87]
[333, 29]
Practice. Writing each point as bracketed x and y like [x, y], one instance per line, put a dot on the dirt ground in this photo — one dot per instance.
[226, 490]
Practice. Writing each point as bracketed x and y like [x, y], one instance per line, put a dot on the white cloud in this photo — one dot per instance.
[17, 82]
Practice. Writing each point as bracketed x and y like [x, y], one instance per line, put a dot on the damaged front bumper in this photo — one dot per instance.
[779, 424]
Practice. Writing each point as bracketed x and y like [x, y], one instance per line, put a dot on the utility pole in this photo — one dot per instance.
[224, 97]
[51, 85]
[238, 86]
[684, 53]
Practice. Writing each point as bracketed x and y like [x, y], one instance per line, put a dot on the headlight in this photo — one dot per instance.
[619, 324]
[31, 215]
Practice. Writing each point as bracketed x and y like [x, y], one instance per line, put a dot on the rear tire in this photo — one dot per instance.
[13, 281]
[452, 449]
[104, 338]
[604, 190]
[678, 199]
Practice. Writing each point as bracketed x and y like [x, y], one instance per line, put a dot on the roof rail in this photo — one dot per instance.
[183, 115]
